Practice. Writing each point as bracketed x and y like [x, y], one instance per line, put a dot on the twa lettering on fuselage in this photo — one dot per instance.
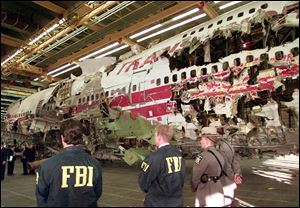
[138, 63]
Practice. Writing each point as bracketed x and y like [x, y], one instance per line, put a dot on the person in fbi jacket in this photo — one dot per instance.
[162, 174]
[71, 178]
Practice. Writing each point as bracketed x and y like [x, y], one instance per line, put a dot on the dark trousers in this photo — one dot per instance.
[25, 170]
[10, 167]
[2, 171]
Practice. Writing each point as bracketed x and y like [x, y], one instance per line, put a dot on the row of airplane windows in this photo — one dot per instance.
[241, 14]
[279, 55]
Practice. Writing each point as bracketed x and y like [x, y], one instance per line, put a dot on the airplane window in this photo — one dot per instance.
[225, 65]
[193, 73]
[229, 18]
[251, 10]
[295, 51]
[158, 82]
[79, 101]
[166, 80]
[219, 22]
[102, 93]
[264, 57]
[214, 69]
[237, 61]
[202, 28]
[209, 26]
[106, 93]
[264, 6]
[88, 99]
[124, 89]
[97, 96]
[83, 99]
[279, 55]
[249, 58]
[184, 35]
[183, 75]
[134, 88]
[92, 97]
[241, 14]
[192, 33]
[174, 78]
[203, 71]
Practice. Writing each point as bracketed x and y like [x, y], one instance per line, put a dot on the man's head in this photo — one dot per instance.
[208, 137]
[71, 132]
[163, 134]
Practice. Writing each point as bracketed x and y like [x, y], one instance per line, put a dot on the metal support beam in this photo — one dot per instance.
[27, 68]
[116, 36]
[12, 95]
[129, 42]
[10, 41]
[51, 6]
[15, 28]
[70, 28]
[211, 12]
[8, 100]
[13, 92]
[17, 88]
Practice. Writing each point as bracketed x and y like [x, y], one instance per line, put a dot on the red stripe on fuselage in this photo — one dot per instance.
[156, 109]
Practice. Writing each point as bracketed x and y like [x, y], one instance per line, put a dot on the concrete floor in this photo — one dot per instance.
[120, 186]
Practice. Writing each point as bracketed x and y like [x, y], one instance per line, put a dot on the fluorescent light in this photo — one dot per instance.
[186, 14]
[36, 79]
[12, 56]
[172, 27]
[145, 31]
[56, 70]
[217, 2]
[47, 31]
[62, 72]
[110, 52]
[99, 51]
[229, 4]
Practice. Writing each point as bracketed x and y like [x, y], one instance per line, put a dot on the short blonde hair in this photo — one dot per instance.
[166, 132]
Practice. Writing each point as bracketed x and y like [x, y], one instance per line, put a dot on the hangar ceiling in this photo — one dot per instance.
[39, 37]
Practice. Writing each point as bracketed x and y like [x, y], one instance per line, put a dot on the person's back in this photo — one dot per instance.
[162, 176]
[167, 177]
[71, 178]
[232, 169]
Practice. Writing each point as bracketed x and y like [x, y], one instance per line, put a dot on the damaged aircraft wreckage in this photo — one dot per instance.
[238, 72]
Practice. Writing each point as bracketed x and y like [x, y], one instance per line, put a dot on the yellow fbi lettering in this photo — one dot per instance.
[144, 166]
[83, 175]
[174, 164]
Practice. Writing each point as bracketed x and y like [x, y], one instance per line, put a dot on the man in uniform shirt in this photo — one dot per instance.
[207, 171]
[162, 175]
[232, 169]
[72, 177]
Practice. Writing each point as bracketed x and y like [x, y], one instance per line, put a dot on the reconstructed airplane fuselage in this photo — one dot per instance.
[227, 72]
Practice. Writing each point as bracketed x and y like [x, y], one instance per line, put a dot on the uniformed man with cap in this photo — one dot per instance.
[207, 171]
[232, 169]
[71, 178]
[162, 175]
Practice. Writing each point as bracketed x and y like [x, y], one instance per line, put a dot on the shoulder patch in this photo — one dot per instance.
[198, 158]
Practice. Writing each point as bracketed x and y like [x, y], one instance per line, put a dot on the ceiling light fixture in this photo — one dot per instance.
[229, 4]
[99, 51]
[172, 27]
[60, 68]
[47, 31]
[113, 51]
[62, 72]
[185, 14]
[145, 31]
